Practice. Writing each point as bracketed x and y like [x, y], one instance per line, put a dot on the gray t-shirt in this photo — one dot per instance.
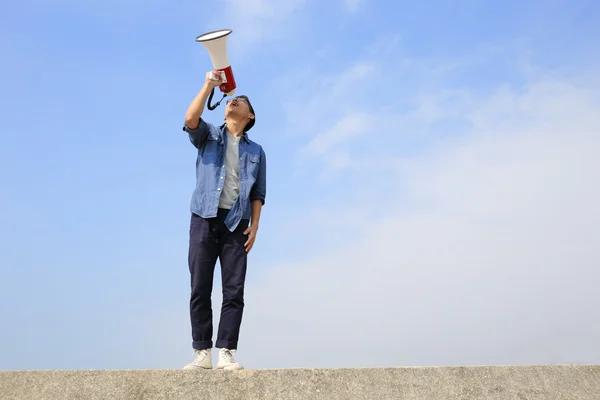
[231, 186]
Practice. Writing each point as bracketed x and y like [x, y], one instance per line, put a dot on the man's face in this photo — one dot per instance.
[238, 106]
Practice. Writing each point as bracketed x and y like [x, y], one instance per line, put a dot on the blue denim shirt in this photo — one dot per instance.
[211, 142]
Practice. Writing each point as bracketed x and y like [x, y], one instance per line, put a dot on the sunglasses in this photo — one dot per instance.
[238, 99]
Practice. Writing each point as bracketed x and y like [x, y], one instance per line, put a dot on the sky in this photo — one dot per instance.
[432, 182]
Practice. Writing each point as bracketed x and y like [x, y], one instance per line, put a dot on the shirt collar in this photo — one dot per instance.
[244, 136]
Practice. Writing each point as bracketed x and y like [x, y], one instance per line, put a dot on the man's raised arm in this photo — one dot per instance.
[197, 131]
[192, 116]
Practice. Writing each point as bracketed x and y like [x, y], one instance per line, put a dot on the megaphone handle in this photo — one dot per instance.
[212, 92]
[221, 75]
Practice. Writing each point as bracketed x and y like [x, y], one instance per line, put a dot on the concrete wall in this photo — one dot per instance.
[564, 382]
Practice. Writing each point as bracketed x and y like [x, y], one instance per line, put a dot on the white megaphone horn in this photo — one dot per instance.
[216, 44]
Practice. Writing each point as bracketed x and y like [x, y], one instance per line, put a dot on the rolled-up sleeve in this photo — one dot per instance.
[198, 135]
[259, 189]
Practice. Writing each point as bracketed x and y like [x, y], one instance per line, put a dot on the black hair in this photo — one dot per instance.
[250, 123]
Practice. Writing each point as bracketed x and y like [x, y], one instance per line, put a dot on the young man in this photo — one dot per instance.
[230, 192]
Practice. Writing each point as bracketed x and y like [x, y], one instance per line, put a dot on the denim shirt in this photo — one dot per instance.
[211, 142]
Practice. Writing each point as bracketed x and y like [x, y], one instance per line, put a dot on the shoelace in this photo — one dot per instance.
[228, 356]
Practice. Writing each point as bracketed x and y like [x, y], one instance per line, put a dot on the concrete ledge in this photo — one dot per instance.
[550, 382]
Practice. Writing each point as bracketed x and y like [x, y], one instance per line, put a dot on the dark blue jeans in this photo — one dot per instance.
[210, 239]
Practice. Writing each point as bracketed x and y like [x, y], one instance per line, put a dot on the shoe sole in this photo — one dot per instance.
[229, 369]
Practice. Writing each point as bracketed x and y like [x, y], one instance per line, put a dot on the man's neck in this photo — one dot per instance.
[235, 127]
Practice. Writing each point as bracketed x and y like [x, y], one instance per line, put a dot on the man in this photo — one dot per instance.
[230, 192]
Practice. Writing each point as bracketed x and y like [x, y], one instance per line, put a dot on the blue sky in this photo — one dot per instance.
[431, 194]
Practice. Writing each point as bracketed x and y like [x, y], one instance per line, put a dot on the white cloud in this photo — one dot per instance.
[254, 19]
[348, 127]
[330, 145]
[494, 260]
[320, 98]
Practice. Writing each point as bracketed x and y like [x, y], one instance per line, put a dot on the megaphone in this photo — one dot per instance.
[216, 44]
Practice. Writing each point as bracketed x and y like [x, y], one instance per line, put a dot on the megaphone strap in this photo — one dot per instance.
[210, 99]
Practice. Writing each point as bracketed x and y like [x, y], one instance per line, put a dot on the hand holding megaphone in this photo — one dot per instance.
[215, 78]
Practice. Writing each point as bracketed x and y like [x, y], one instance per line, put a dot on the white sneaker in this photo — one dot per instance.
[203, 360]
[227, 360]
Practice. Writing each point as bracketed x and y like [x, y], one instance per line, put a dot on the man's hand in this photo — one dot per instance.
[213, 83]
[251, 232]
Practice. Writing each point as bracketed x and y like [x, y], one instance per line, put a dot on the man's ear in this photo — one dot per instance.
[251, 116]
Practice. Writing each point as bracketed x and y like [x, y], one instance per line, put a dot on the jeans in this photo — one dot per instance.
[210, 239]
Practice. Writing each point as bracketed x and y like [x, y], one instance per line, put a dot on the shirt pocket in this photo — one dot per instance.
[253, 164]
